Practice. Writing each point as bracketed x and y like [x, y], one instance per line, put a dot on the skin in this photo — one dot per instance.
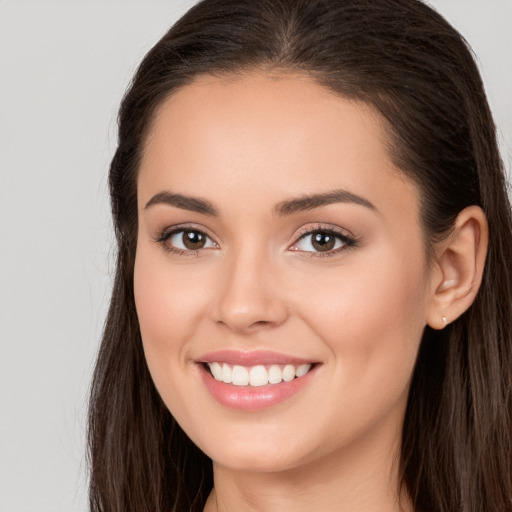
[247, 144]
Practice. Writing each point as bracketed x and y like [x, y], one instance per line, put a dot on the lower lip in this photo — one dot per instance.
[248, 398]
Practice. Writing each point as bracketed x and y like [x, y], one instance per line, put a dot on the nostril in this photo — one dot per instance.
[245, 326]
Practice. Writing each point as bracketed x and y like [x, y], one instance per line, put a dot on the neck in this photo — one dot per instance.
[363, 478]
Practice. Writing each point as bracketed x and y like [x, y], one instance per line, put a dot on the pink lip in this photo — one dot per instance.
[250, 358]
[248, 398]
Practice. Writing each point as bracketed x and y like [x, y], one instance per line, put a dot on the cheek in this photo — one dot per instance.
[371, 315]
[168, 307]
[168, 303]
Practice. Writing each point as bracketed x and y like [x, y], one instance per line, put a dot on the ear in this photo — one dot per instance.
[458, 269]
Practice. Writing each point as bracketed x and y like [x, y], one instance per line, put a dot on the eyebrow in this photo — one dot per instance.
[193, 204]
[284, 208]
[310, 202]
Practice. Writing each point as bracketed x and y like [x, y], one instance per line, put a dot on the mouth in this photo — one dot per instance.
[257, 375]
[252, 381]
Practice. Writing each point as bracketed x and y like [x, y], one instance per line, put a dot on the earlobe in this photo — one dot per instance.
[460, 260]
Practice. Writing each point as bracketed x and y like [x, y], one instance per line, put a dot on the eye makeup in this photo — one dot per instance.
[185, 240]
[313, 241]
[323, 241]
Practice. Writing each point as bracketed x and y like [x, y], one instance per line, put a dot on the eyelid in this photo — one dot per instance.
[348, 239]
[163, 235]
[169, 230]
[319, 226]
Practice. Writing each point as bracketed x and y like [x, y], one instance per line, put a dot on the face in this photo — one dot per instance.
[281, 278]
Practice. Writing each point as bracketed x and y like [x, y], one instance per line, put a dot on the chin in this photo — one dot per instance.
[254, 453]
[255, 460]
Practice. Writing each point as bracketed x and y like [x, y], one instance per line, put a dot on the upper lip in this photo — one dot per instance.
[251, 358]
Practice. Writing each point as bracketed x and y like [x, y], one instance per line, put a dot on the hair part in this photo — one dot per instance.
[406, 61]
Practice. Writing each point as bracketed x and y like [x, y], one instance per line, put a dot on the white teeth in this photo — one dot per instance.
[275, 375]
[257, 375]
[216, 370]
[289, 373]
[302, 370]
[240, 376]
[227, 373]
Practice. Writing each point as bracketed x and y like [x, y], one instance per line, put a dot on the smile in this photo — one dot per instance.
[258, 375]
[254, 380]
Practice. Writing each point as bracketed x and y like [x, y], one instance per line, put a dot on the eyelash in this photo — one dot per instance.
[348, 241]
[166, 234]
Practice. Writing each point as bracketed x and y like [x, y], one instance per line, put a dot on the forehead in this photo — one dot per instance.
[273, 135]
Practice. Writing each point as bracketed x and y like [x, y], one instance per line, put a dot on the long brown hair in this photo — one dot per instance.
[406, 61]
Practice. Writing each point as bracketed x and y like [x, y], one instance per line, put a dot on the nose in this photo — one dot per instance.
[250, 297]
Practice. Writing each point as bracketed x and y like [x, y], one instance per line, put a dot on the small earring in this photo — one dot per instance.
[445, 320]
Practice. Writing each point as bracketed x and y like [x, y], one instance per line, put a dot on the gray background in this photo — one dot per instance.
[63, 68]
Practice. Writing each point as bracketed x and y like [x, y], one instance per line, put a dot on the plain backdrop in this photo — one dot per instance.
[64, 66]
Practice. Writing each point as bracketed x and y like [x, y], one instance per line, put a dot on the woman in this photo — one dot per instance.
[312, 301]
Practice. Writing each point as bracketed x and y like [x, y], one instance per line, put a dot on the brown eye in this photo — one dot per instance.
[185, 240]
[323, 241]
[193, 240]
